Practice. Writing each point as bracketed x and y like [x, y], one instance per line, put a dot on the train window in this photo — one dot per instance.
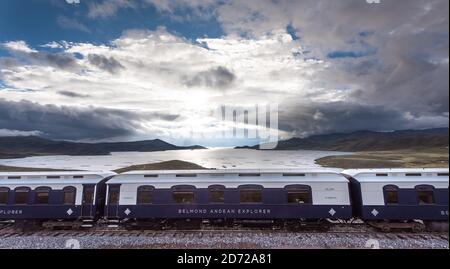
[293, 175]
[88, 195]
[4, 195]
[152, 175]
[425, 194]
[78, 176]
[216, 194]
[413, 174]
[21, 195]
[382, 175]
[53, 177]
[183, 195]
[250, 194]
[249, 175]
[299, 194]
[113, 194]
[42, 195]
[186, 175]
[14, 177]
[390, 194]
[443, 174]
[69, 195]
[144, 195]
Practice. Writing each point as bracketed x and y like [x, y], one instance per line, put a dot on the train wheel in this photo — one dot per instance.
[385, 228]
[417, 228]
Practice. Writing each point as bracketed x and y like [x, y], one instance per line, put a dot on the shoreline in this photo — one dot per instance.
[411, 158]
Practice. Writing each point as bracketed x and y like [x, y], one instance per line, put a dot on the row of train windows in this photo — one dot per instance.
[185, 195]
[425, 194]
[42, 195]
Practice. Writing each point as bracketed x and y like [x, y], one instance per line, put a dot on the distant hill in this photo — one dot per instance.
[4, 168]
[168, 165]
[24, 146]
[368, 141]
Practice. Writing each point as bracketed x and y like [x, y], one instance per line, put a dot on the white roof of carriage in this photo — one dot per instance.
[425, 175]
[222, 176]
[65, 177]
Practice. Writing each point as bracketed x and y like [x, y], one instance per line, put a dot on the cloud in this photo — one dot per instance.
[7, 132]
[24, 53]
[378, 67]
[18, 46]
[319, 118]
[65, 122]
[390, 55]
[108, 8]
[186, 10]
[177, 9]
[219, 77]
[8, 62]
[72, 94]
[53, 45]
[109, 64]
[69, 23]
[172, 5]
[73, 1]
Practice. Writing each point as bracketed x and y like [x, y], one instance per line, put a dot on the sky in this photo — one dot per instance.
[122, 70]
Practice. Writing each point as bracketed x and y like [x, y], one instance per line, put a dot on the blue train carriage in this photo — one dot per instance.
[401, 198]
[53, 199]
[227, 196]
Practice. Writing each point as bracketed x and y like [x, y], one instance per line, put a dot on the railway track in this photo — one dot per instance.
[7, 231]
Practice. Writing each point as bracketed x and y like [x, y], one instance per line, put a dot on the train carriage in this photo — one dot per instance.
[52, 195]
[228, 194]
[400, 194]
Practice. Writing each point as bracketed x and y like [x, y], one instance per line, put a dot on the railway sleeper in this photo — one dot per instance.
[62, 225]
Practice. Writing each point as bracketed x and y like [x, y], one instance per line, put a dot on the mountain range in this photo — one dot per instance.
[367, 141]
[25, 146]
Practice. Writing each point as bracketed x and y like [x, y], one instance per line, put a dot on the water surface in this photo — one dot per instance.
[210, 158]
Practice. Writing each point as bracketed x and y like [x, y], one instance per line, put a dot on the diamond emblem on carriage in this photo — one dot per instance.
[374, 212]
[332, 212]
[69, 212]
[127, 211]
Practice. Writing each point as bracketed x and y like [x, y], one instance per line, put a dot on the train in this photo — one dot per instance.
[295, 199]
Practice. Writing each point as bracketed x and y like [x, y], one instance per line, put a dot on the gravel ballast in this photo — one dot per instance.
[224, 240]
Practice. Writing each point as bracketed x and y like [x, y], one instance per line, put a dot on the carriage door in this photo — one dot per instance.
[113, 200]
[87, 206]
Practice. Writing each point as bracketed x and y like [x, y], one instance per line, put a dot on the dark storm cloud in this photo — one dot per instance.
[387, 62]
[347, 117]
[219, 77]
[73, 94]
[108, 64]
[64, 122]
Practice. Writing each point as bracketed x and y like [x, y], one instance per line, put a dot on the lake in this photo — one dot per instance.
[210, 158]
